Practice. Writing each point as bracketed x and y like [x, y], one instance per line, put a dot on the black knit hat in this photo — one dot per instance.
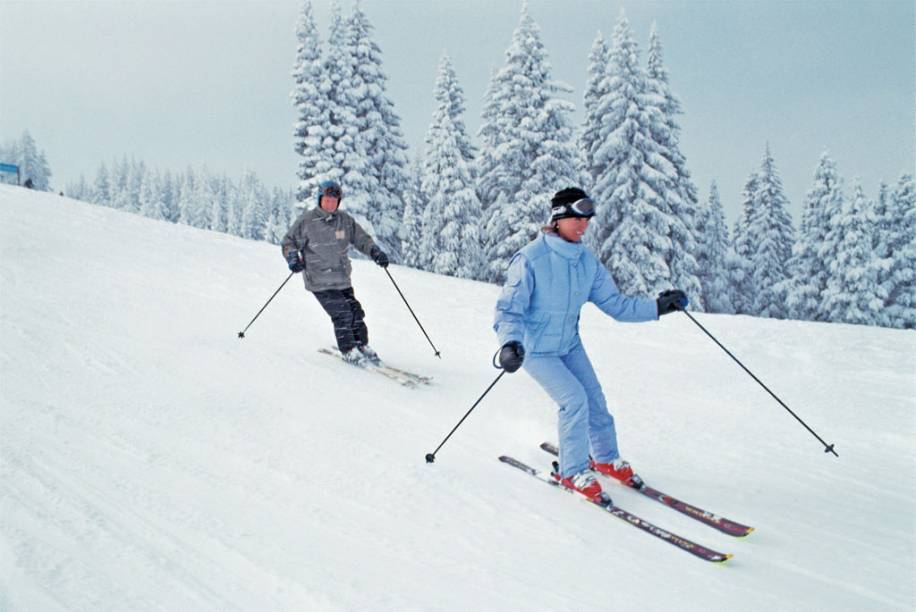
[571, 202]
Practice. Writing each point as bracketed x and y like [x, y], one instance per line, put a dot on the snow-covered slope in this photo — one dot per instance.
[150, 459]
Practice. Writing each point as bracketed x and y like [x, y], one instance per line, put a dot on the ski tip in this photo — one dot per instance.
[725, 558]
[749, 531]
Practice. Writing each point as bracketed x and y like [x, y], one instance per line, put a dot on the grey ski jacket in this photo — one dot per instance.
[322, 238]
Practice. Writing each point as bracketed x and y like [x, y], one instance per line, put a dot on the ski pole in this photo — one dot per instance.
[412, 313]
[431, 457]
[242, 333]
[828, 448]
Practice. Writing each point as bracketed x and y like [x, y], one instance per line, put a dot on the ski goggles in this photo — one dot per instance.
[332, 192]
[583, 208]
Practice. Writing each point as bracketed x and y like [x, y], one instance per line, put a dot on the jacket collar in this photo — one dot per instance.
[567, 250]
[323, 214]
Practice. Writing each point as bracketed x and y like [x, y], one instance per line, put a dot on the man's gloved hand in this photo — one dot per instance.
[295, 262]
[379, 257]
[670, 301]
[511, 356]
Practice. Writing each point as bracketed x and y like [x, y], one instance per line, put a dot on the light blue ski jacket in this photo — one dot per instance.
[548, 282]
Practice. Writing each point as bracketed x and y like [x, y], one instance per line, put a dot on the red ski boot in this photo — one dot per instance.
[618, 469]
[584, 482]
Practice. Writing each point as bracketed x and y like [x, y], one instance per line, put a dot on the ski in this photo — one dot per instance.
[605, 503]
[402, 378]
[720, 523]
[422, 380]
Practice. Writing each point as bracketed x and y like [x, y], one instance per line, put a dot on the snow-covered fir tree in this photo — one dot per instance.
[712, 253]
[770, 226]
[234, 209]
[312, 117]
[345, 147]
[739, 258]
[152, 204]
[254, 200]
[449, 95]
[853, 292]
[411, 231]
[808, 271]
[101, 188]
[681, 196]
[632, 233]
[896, 246]
[487, 168]
[169, 197]
[187, 197]
[279, 217]
[450, 242]
[120, 180]
[135, 173]
[596, 88]
[380, 132]
[535, 156]
[218, 204]
[32, 163]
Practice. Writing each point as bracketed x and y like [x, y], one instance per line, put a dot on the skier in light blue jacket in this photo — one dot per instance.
[537, 322]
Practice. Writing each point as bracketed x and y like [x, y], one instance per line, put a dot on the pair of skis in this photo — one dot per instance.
[719, 523]
[402, 377]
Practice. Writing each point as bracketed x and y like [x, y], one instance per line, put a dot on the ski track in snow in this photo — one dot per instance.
[149, 459]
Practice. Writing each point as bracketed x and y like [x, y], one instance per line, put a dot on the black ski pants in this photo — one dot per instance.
[347, 315]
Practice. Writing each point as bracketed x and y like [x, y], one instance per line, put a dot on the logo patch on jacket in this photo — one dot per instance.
[340, 234]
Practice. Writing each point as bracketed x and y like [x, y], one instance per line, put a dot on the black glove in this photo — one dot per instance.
[670, 301]
[379, 257]
[511, 356]
[295, 262]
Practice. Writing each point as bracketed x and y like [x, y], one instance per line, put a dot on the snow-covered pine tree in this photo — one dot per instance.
[632, 226]
[450, 242]
[201, 200]
[681, 197]
[218, 204]
[712, 254]
[739, 259]
[170, 196]
[187, 198]
[32, 163]
[411, 231]
[254, 198]
[808, 271]
[535, 157]
[279, 216]
[135, 173]
[312, 117]
[487, 169]
[120, 176]
[151, 201]
[234, 208]
[852, 294]
[897, 232]
[380, 133]
[596, 88]
[101, 188]
[774, 236]
[346, 149]
[450, 95]
[829, 251]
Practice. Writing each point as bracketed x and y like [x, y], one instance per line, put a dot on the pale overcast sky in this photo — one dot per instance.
[207, 82]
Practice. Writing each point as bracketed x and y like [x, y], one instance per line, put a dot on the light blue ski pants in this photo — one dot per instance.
[585, 425]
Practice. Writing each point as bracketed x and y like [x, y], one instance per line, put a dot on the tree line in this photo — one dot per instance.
[463, 209]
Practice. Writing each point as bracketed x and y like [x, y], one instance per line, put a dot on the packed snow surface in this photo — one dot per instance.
[151, 459]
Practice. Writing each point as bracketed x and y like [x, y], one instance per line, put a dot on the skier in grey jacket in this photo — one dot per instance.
[316, 244]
